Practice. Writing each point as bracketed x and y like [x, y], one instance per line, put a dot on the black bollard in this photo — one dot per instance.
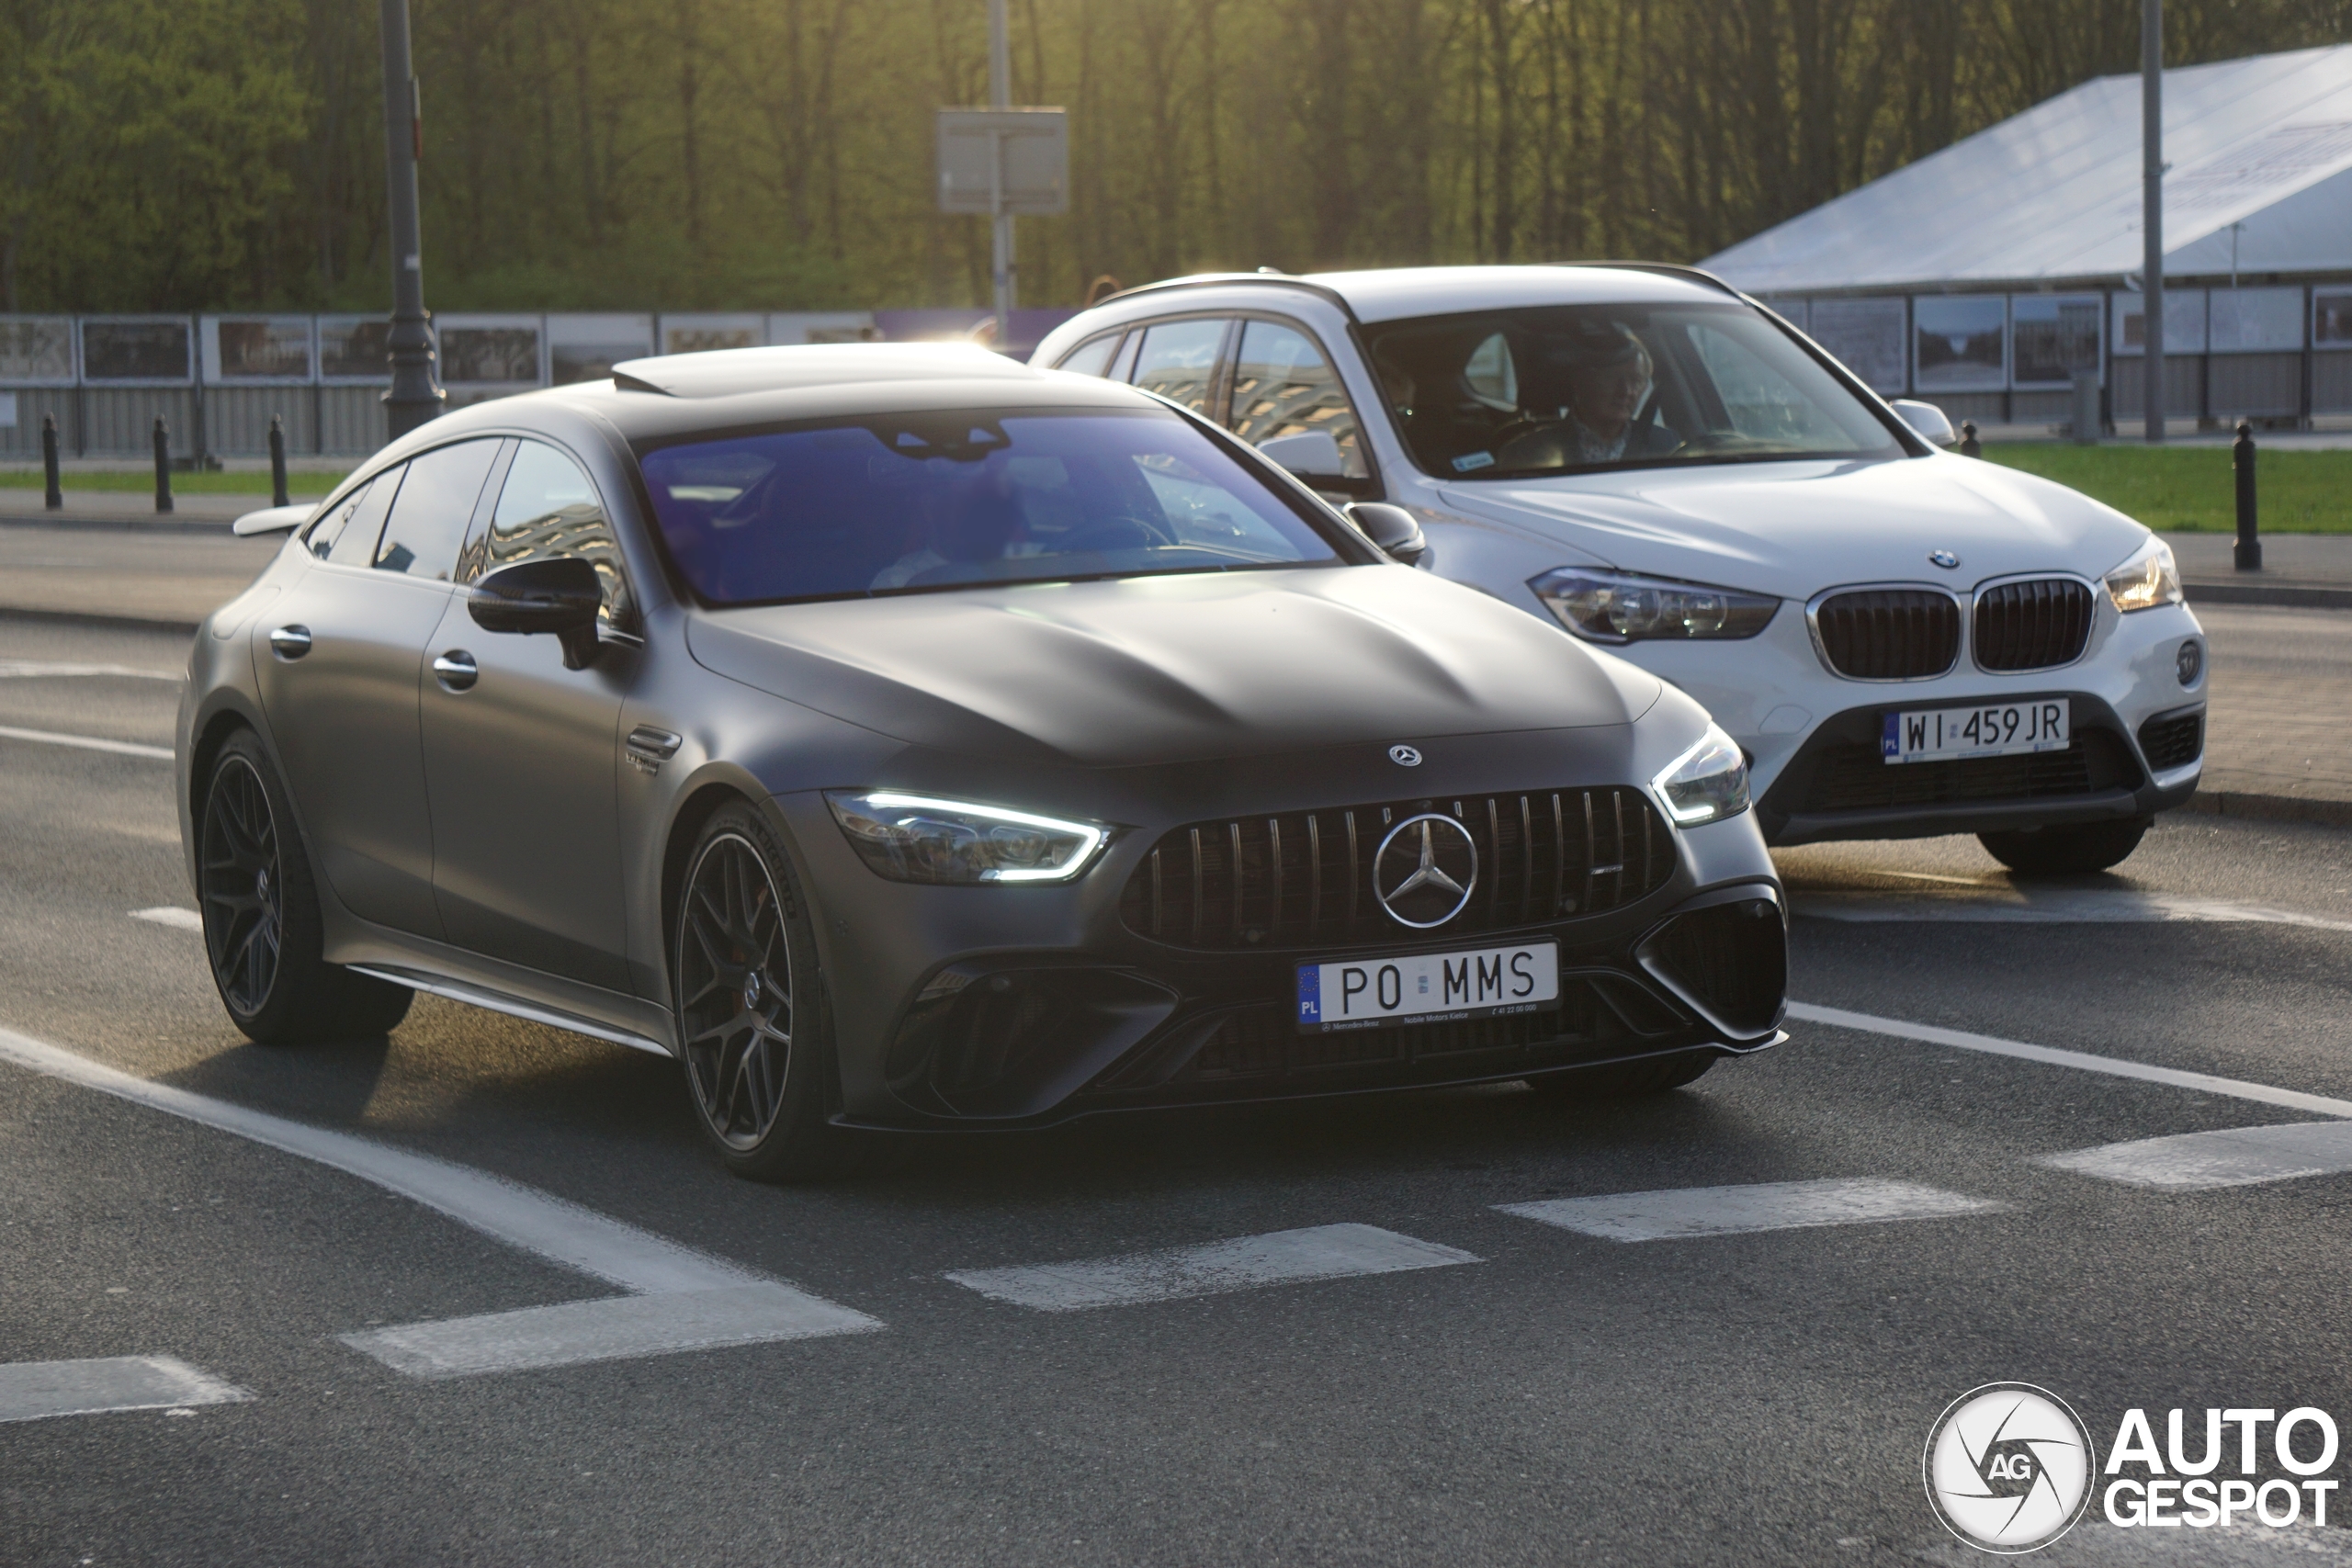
[276, 461]
[1969, 446]
[162, 467]
[2249, 551]
[54, 496]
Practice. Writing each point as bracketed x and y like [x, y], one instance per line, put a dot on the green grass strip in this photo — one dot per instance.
[2191, 489]
[234, 482]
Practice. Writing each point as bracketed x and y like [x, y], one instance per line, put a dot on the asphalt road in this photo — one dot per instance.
[1553, 1396]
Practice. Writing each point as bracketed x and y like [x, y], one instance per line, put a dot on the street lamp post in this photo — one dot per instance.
[415, 395]
[2151, 211]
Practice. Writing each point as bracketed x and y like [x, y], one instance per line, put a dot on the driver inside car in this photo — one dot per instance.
[1603, 379]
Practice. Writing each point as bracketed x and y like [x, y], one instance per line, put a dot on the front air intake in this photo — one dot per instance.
[2032, 625]
[1888, 634]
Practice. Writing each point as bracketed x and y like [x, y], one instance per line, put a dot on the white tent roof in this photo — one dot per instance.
[2054, 194]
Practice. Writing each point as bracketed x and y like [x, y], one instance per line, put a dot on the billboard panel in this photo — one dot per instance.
[2054, 335]
[1959, 342]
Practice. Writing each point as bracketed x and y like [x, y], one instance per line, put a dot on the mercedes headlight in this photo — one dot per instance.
[1706, 784]
[1609, 606]
[915, 837]
[2148, 580]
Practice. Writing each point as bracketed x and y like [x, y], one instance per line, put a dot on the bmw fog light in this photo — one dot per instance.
[1609, 606]
[2148, 580]
[914, 838]
[2189, 661]
[1706, 784]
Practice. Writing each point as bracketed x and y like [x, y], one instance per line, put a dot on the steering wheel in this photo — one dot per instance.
[1124, 532]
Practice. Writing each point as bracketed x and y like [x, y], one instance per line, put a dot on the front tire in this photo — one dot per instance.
[263, 935]
[753, 1026]
[2070, 851]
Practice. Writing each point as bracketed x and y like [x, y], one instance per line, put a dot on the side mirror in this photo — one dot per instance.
[1926, 420]
[561, 596]
[1392, 528]
[1311, 454]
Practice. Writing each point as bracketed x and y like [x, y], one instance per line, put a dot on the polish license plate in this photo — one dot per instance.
[1428, 987]
[1989, 730]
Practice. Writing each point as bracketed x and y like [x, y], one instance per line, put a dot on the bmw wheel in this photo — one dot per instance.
[751, 1006]
[262, 931]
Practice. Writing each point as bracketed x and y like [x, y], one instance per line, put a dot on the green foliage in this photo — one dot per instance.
[2192, 490]
[777, 153]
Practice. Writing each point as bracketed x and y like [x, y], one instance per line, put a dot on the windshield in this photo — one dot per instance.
[904, 504]
[1560, 388]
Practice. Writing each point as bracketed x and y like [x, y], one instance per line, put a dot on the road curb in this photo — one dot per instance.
[102, 623]
[2299, 596]
[2270, 807]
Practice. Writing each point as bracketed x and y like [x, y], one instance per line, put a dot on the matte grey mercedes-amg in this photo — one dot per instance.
[903, 737]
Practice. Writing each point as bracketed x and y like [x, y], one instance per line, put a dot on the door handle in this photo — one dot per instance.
[290, 642]
[455, 669]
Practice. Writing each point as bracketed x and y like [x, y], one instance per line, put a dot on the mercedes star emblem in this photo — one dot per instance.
[1405, 756]
[1945, 559]
[1424, 870]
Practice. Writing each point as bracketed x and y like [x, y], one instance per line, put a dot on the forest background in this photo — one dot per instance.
[704, 154]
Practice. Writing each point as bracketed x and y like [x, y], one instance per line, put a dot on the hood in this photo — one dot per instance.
[1175, 669]
[1792, 529]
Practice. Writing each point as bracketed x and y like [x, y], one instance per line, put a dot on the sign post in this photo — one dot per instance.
[1003, 161]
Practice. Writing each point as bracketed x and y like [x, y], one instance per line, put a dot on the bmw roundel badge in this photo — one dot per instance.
[1945, 559]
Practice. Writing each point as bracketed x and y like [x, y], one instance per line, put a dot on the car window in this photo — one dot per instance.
[1560, 388]
[1091, 358]
[351, 532]
[1283, 385]
[434, 507]
[908, 502]
[548, 508]
[1177, 360]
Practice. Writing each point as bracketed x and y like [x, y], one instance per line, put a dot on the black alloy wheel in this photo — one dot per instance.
[262, 930]
[750, 1009]
[245, 887]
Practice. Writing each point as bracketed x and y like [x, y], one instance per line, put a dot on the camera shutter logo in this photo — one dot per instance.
[2008, 1467]
[1424, 870]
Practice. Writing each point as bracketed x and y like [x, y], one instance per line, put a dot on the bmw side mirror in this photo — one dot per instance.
[560, 595]
[1392, 528]
[1310, 454]
[1927, 420]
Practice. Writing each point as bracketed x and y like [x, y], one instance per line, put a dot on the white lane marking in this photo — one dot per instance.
[2236, 1157]
[86, 742]
[41, 669]
[170, 915]
[1960, 1040]
[616, 1328]
[1278, 1257]
[33, 1391]
[1679, 1213]
[2056, 906]
[637, 1260]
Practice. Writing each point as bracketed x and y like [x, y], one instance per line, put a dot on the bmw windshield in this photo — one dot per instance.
[1554, 389]
[923, 502]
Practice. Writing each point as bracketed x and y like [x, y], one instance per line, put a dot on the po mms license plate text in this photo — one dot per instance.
[1428, 987]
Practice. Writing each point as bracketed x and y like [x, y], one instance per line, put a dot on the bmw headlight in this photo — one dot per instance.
[915, 837]
[2148, 580]
[1609, 606]
[1706, 784]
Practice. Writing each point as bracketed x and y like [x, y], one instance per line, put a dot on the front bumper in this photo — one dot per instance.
[999, 1007]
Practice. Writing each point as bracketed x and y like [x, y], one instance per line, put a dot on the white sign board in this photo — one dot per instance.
[1959, 342]
[1004, 161]
[8, 410]
[2184, 322]
[2255, 321]
[1866, 337]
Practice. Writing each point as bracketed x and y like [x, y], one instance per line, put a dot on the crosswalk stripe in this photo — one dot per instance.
[2235, 1157]
[33, 1391]
[1250, 1262]
[614, 1328]
[1678, 1213]
[2114, 1066]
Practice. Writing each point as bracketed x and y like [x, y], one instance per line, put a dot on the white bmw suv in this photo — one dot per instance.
[1904, 641]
